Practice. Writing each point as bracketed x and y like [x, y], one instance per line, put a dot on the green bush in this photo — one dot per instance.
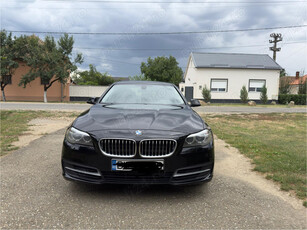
[206, 94]
[244, 94]
[299, 99]
[302, 88]
[264, 95]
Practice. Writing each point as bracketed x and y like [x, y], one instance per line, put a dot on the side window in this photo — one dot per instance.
[255, 85]
[219, 85]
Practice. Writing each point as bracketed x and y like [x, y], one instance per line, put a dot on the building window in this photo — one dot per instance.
[219, 85]
[255, 85]
[182, 89]
[200, 87]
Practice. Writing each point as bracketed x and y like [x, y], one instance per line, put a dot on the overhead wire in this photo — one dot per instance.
[169, 2]
[179, 49]
[157, 33]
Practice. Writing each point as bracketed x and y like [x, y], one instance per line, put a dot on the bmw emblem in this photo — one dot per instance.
[138, 132]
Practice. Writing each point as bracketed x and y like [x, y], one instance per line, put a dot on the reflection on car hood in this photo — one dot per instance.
[114, 118]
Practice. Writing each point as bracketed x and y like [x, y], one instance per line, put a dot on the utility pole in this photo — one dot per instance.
[277, 38]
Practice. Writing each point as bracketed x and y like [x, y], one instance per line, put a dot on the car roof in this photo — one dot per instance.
[142, 83]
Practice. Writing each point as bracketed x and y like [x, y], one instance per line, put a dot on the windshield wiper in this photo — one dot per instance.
[106, 104]
[146, 104]
[180, 106]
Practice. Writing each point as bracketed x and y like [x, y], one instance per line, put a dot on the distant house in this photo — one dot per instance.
[295, 81]
[34, 91]
[121, 78]
[225, 74]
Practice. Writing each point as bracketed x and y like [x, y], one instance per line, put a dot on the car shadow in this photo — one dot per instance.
[141, 191]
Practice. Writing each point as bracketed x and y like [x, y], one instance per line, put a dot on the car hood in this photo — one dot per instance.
[154, 121]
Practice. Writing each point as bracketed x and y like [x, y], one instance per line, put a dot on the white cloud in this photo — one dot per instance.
[111, 17]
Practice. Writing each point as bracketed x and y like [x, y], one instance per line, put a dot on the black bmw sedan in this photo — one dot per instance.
[139, 133]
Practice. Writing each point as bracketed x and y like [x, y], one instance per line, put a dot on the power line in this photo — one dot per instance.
[87, 56]
[183, 4]
[118, 61]
[111, 60]
[151, 7]
[157, 33]
[180, 49]
[169, 2]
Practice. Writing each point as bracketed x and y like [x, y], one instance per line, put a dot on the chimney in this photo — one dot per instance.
[297, 75]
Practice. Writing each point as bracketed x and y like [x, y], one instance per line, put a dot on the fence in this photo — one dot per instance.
[83, 92]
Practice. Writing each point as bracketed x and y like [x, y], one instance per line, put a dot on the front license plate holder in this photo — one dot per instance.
[137, 165]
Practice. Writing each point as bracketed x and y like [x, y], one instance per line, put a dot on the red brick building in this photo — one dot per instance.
[34, 91]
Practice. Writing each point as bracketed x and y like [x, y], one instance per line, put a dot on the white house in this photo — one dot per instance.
[225, 74]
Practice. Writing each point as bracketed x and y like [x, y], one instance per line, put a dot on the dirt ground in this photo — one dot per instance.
[40, 127]
[234, 163]
[239, 166]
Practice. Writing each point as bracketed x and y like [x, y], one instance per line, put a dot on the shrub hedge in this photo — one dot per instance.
[299, 99]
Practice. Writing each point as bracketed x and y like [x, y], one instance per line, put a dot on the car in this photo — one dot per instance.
[139, 132]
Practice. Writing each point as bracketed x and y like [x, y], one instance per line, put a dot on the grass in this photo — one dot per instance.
[212, 104]
[15, 122]
[51, 102]
[258, 105]
[276, 143]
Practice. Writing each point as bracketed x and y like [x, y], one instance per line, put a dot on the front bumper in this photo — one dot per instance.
[185, 166]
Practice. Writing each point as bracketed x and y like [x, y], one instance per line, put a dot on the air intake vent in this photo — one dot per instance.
[118, 147]
[157, 148]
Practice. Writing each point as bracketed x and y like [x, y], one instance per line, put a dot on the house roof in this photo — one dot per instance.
[288, 78]
[298, 80]
[234, 61]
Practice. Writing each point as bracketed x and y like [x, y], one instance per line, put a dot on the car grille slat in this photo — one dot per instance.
[118, 147]
[150, 148]
[157, 148]
[126, 146]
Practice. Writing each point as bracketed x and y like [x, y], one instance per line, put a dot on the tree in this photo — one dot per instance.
[92, 77]
[284, 85]
[140, 77]
[50, 61]
[263, 95]
[8, 60]
[282, 73]
[206, 94]
[244, 94]
[302, 87]
[162, 69]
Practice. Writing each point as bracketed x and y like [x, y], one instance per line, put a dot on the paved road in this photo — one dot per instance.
[34, 195]
[202, 109]
[44, 106]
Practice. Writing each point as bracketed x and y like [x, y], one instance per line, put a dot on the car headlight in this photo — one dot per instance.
[76, 136]
[198, 139]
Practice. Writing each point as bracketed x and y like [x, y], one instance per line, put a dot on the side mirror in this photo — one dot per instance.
[195, 102]
[92, 100]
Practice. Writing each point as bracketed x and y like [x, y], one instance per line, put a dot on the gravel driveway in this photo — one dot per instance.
[202, 109]
[34, 195]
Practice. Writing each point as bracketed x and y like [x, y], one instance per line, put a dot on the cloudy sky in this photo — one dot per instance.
[121, 55]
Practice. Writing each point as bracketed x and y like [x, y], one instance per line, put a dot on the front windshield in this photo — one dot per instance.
[143, 94]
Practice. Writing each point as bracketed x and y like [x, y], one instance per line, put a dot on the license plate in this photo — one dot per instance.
[137, 165]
